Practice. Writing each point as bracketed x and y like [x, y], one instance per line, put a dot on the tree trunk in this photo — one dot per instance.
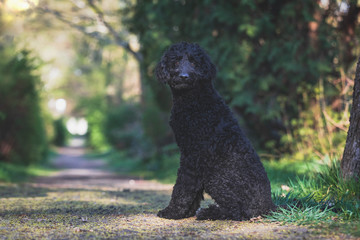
[350, 163]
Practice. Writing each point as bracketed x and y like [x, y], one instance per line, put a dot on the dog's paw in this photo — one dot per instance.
[169, 213]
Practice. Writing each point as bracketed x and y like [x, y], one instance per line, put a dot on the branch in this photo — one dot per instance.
[118, 40]
[81, 29]
[96, 35]
[340, 125]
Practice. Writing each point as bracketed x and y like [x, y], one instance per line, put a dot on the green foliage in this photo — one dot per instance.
[12, 173]
[155, 124]
[17, 173]
[22, 132]
[60, 132]
[121, 126]
[319, 131]
[270, 63]
[95, 114]
[165, 166]
[96, 83]
[162, 167]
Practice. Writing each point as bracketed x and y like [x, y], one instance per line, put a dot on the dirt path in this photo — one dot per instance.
[78, 171]
[85, 201]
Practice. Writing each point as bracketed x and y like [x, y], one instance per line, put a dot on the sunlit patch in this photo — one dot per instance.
[21, 5]
[77, 126]
[95, 197]
[60, 105]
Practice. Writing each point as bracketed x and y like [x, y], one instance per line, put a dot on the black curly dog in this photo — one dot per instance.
[216, 157]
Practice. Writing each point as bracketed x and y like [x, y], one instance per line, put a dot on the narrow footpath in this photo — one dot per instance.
[76, 170]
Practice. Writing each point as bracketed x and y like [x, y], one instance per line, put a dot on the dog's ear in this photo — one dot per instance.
[209, 68]
[212, 70]
[161, 72]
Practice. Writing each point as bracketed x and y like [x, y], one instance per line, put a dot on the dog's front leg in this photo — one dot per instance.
[186, 195]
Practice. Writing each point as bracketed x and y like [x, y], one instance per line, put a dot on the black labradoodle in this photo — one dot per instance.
[216, 157]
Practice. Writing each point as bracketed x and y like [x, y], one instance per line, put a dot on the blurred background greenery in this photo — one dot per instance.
[86, 68]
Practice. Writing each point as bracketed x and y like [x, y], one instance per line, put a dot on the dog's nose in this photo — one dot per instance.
[184, 75]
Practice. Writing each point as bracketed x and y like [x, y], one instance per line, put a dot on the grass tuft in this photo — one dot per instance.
[301, 211]
[319, 197]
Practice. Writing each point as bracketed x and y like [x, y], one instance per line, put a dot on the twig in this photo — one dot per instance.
[338, 125]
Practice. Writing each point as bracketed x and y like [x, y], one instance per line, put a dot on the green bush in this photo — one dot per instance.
[155, 125]
[94, 108]
[121, 126]
[60, 132]
[162, 167]
[269, 71]
[22, 132]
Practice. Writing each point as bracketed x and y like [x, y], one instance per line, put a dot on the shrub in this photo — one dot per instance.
[60, 132]
[121, 126]
[155, 126]
[95, 114]
[22, 132]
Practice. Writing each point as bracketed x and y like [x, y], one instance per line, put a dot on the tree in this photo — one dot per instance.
[350, 163]
[268, 69]
[98, 20]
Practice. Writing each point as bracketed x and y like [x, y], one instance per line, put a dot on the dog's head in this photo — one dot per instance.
[185, 65]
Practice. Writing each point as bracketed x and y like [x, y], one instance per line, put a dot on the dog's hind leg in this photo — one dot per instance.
[230, 203]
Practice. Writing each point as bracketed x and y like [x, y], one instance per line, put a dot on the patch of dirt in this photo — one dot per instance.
[84, 201]
[77, 171]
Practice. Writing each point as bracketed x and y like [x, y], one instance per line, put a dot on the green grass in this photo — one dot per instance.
[18, 173]
[10, 172]
[318, 198]
[162, 168]
[280, 172]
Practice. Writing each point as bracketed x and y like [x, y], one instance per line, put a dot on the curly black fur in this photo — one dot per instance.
[216, 157]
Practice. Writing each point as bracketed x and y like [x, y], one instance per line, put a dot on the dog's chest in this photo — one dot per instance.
[193, 123]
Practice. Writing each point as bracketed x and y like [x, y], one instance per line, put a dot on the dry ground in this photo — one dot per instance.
[84, 201]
